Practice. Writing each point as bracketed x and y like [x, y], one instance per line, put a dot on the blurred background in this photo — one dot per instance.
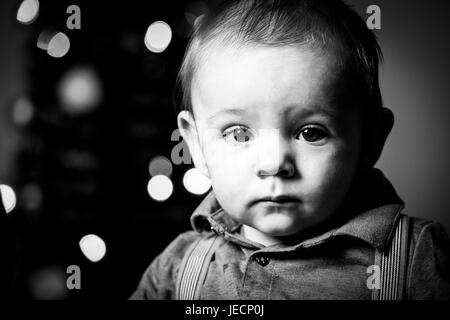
[86, 124]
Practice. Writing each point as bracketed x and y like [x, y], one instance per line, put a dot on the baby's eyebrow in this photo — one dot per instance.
[228, 111]
[295, 112]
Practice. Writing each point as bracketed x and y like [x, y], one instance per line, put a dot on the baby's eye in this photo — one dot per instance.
[312, 134]
[238, 134]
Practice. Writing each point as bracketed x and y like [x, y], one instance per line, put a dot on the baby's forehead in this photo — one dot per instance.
[256, 75]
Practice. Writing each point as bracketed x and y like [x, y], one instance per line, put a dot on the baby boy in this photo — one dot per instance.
[281, 109]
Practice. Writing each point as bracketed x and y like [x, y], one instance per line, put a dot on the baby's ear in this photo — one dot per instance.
[188, 130]
[379, 129]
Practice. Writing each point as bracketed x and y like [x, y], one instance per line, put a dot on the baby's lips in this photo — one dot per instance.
[277, 199]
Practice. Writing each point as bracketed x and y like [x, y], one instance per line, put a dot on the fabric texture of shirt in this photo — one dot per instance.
[329, 262]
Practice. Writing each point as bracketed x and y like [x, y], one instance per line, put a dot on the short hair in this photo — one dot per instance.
[325, 25]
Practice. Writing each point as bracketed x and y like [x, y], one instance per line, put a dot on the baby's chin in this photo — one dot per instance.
[284, 223]
[281, 224]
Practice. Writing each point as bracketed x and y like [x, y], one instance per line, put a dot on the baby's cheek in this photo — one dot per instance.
[230, 197]
[230, 181]
[327, 175]
[230, 161]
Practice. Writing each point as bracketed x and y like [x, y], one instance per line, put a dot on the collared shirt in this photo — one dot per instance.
[332, 263]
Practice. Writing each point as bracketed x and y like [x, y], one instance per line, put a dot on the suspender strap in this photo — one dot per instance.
[194, 267]
[393, 264]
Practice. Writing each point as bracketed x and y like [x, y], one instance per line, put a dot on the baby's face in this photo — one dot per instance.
[280, 139]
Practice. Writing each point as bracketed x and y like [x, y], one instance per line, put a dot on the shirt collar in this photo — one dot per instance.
[369, 214]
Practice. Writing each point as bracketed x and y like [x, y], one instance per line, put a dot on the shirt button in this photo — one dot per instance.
[262, 261]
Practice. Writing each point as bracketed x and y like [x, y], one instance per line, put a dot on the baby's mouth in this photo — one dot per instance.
[278, 200]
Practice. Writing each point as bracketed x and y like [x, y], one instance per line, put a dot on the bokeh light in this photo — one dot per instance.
[32, 197]
[49, 283]
[194, 11]
[80, 90]
[195, 182]
[28, 11]
[9, 197]
[160, 187]
[160, 165]
[44, 38]
[58, 45]
[158, 36]
[22, 111]
[93, 247]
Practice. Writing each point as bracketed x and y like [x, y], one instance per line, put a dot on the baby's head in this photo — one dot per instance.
[282, 110]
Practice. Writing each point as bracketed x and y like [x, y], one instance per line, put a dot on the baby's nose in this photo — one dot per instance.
[274, 155]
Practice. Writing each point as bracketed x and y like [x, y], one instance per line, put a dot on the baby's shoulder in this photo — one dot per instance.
[429, 260]
[158, 280]
[423, 229]
[427, 238]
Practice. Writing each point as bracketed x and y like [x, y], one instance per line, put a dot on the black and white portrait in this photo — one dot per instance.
[225, 150]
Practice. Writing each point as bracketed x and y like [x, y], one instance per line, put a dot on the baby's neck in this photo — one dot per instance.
[257, 236]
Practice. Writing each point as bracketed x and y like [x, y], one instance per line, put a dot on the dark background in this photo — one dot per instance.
[89, 173]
